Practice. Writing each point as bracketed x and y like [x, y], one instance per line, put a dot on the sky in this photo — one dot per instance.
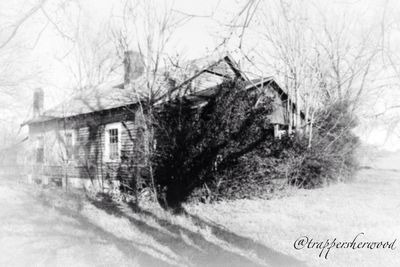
[42, 46]
[195, 39]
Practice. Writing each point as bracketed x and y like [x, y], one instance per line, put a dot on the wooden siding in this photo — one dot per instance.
[88, 157]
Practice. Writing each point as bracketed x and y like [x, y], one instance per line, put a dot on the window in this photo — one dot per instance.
[113, 136]
[69, 143]
[39, 149]
[113, 142]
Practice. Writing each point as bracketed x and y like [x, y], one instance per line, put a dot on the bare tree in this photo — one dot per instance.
[318, 58]
[95, 59]
[15, 78]
[150, 31]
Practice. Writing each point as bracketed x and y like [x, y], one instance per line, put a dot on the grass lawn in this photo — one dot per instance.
[369, 205]
[258, 232]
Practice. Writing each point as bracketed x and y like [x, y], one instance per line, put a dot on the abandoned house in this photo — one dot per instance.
[91, 138]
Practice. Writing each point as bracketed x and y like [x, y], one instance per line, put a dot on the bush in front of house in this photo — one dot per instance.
[332, 155]
[195, 145]
[226, 149]
[291, 160]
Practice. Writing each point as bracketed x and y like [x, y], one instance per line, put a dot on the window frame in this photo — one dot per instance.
[73, 142]
[107, 128]
[39, 145]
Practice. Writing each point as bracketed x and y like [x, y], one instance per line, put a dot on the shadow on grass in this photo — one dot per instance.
[268, 255]
[228, 249]
[129, 248]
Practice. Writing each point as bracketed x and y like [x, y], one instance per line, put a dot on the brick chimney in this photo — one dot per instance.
[38, 102]
[133, 66]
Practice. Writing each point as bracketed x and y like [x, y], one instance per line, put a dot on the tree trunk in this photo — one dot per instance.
[298, 118]
[310, 134]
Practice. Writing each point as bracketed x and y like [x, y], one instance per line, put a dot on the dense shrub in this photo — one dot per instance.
[226, 149]
[333, 146]
[194, 145]
[292, 160]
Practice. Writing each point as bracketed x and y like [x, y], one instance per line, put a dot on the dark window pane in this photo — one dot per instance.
[40, 150]
[113, 144]
[39, 155]
[68, 145]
